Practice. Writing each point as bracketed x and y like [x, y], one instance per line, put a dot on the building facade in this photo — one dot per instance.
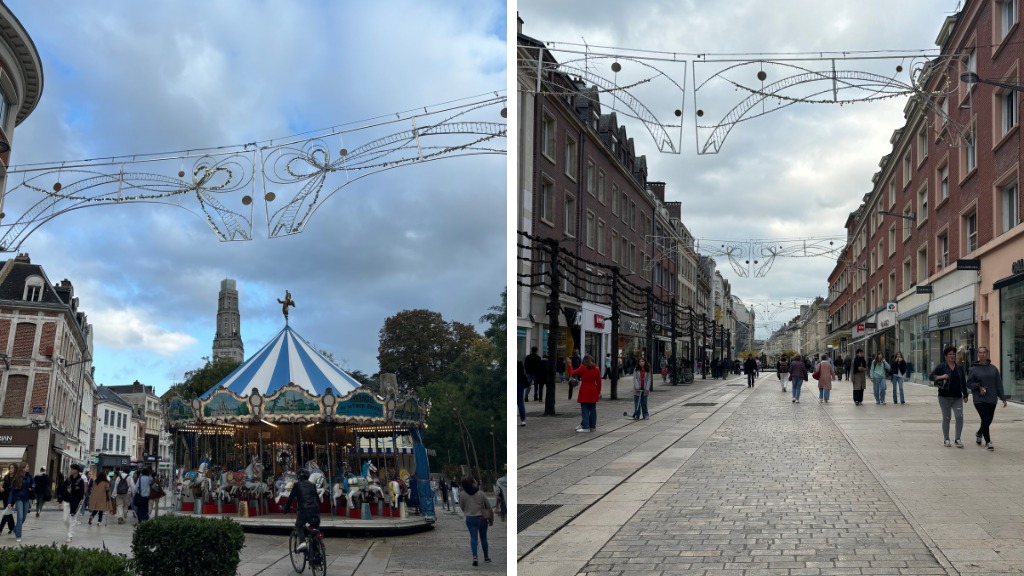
[114, 435]
[227, 343]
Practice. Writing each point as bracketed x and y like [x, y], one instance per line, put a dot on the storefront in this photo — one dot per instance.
[18, 445]
[596, 332]
[1011, 337]
[913, 340]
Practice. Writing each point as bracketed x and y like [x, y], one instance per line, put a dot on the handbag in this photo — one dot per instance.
[817, 373]
[7, 511]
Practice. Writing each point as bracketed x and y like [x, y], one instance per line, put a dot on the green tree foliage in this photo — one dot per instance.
[468, 404]
[198, 381]
[420, 347]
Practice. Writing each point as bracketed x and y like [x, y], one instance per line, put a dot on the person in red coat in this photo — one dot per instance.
[590, 393]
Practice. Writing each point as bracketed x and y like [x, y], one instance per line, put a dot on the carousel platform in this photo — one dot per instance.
[382, 521]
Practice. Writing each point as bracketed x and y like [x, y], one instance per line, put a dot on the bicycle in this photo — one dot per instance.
[315, 553]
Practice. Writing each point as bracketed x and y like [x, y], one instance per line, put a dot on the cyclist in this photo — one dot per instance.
[304, 493]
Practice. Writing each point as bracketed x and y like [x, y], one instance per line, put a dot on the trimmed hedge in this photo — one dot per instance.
[63, 561]
[180, 545]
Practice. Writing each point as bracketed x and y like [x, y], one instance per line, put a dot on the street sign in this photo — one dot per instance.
[968, 264]
[870, 325]
[891, 306]
[924, 289]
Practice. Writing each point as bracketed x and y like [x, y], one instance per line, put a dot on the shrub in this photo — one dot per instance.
[63, 561]
[178, 545]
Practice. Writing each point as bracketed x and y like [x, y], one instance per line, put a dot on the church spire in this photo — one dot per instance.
[228, 341]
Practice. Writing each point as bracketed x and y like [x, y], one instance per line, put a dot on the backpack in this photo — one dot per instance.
[155, 490]
[122, 485]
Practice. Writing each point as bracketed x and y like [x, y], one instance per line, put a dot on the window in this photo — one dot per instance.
[892, 194]
[615, 199]
[945, 111]
[571, 167]
[907, 223]
[943, 182]
[922, 205]
[591, 230]
[1009, 206]
[600, 236]
[569, 215]
[632, 257]
[1008, 111]
[624, 252]
[623, 204]
[547, 201]
[971, 232]
[922, 145]
[547, 135]
[591, 184]
[632, 215]
[970, 151]
[600, 187]
[1007, 17]
[892, 240]
[972, 61]
[942, 259]
[881, 250]
[908, 278]
[906, 170]
[922, 264]
[615, 246]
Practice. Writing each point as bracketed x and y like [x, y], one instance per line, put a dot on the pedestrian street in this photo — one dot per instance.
[725, 479]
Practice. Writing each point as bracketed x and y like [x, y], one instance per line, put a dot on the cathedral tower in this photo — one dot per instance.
[228, 341]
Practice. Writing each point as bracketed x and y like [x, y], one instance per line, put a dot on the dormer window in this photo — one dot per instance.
[33, 289]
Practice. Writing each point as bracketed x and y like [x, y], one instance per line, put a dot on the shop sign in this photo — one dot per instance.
[599, 321]
[943, 318]
[890, 307]
[870, 325]
[5, 439]
[635, 326]
[968, 264]
[1017, 267]
[924, 289]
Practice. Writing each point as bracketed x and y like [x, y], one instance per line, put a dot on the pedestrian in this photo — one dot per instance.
[797, 375]
[590, 393]
[540, 383]
[99, 499]
[824, 374]
[782, 371]
[70, 495]
[664, 368]
[951, 381]
[532, 365]
[899, 372]
[500, 491]
[5, 489]
[641, 388]
[859, 377]
[839, 368]
[42, 482]
[522, 384]
[123, 490]
[575, 361]
[560, 368]
[20, 496]
[142, 492]
[607, 366]
[156, 493]
[879, 369]
[474, 504]
[984, 381]
[443, 487]
[88, 491]
[750, 369]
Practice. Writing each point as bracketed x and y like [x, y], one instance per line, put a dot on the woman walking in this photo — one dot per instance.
[899, 372]
[984, 381]
[824, 374]
[19, 496]
[5, 491]
[782, 371]
[521, 385]
[797, 374]
[641, 388]
[952, 384]
[473, 505]
[99, 499]
[879, 367]
[590, 393]
[858, 375]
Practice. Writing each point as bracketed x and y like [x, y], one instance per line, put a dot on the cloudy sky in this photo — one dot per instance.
[125, 78]
[793, 172]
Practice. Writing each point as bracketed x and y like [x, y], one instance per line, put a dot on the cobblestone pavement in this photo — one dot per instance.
[756, 484]
[445, 549]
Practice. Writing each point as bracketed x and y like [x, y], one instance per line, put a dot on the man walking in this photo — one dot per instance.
[750, 369]
[142, 491]
[123, 490]
[42, 483]
[70, 495]
[533, 367]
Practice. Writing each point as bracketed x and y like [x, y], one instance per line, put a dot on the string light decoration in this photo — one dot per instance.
[750, 258]
[222, 185]
[650, 85]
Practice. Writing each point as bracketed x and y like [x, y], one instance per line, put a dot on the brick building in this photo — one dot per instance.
[935, 248]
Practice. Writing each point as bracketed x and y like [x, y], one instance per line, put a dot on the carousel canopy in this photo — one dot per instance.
[287, 358]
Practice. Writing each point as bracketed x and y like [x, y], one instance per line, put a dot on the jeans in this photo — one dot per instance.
[588, 415]
[823, 393]
[797, 383]
[639, 406]
[522, 406]
[750, 379]
[21, 508]
[986, 412]
[879, 383]
[897, 384]
[141, 508]
[956, 406]
[475, 525]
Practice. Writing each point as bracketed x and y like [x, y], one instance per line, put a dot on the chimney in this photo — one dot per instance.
[136, 386]
[23, 258]
[658, 188]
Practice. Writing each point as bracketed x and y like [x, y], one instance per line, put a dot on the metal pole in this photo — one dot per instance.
[615, 334]
[675, 357]
[554, 308]
[693, 338]
[650, 331]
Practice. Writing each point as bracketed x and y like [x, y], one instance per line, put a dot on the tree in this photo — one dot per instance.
[420, 347]
[198, 381]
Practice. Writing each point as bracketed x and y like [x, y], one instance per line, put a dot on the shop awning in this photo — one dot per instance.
[70, 457]
[12, 454]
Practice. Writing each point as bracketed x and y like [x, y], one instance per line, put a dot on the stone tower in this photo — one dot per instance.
[228, 341]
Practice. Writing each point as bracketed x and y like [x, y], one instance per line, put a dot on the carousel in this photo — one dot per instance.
[238, 448]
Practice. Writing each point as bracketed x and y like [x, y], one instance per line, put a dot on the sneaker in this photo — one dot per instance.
[826, 400]
[475, 562]
[958, 443]
[977, 438]
[486, 559]
[644, 418]
[946, 443]
[522, 422]
[902, 402]
[797, 400]
[793, 400]
[301, 547]
[582, 429]
[90, 521]
[19, 540]
[990, 446]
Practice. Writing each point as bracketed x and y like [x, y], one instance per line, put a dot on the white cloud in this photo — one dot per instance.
[130, 329]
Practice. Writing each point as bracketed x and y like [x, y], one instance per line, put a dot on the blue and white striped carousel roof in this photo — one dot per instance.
[287, 358]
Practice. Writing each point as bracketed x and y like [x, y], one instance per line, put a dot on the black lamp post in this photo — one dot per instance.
[973, 78]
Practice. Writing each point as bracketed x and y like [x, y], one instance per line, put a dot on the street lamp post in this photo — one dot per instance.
[973, 78]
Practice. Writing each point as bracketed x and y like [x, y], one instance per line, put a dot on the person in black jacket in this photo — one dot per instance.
[950, 379]
[304, 493]
[899, 372]
[859, 377]
[42, 489]
[70, 495]
[5, 490]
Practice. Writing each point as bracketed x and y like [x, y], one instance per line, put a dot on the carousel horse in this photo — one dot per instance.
[195, 482]
[284, 485]
[253, 487]
[316, 476]
[398, 488]
[357, 485]
[227, 486]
